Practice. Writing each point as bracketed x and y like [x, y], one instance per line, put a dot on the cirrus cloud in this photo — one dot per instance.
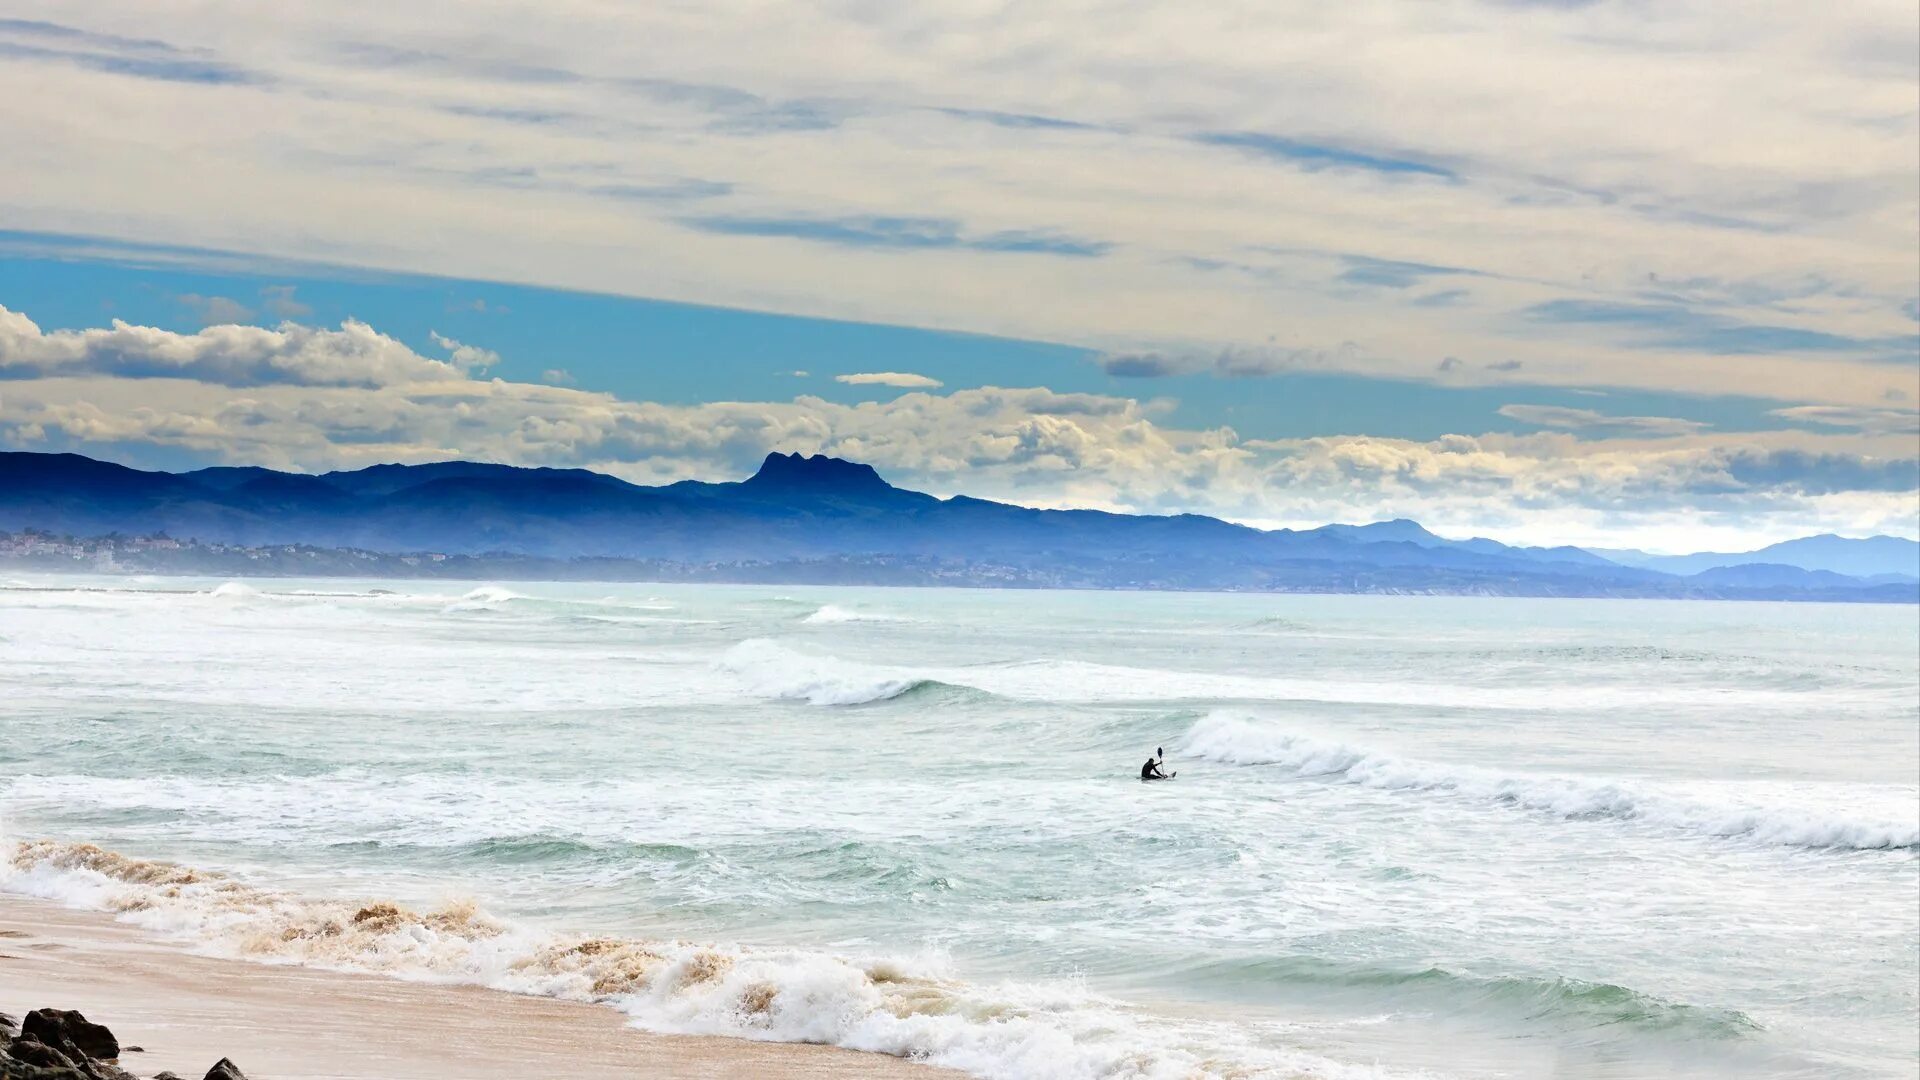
[1571, 419]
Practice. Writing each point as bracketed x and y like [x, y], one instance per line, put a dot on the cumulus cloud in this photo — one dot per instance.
[463, 356]
[902, 379]
[227, 355]
[1571, 419]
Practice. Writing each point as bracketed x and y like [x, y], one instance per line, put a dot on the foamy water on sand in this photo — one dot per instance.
[1410, 836]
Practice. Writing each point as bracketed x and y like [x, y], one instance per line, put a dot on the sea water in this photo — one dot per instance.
[1410, 836]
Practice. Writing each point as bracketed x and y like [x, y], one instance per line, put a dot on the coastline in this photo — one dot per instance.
[291, 1022]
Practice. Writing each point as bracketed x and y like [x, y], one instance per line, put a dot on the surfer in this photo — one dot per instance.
[1151, 770]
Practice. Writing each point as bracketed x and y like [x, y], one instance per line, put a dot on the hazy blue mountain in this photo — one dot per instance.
[1399, 530]
[803, 518]
[1402, 530]
[1875, 556]
[1775, 575]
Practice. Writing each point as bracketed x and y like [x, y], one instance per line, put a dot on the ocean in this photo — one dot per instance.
[1409, 837]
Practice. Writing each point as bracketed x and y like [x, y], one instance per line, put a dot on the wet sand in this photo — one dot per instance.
[290, 1023]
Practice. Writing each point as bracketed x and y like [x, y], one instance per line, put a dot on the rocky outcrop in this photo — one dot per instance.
[64, 1027]
[57, 1044]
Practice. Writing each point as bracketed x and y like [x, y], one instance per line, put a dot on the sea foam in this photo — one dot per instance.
[908, 1007]
[1236, 739]
[829, 614]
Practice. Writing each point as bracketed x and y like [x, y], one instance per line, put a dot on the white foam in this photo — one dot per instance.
[828, 614]
[769, 669]
[234, 590]
[907, 1007]
[1239, 740]
[485, 598]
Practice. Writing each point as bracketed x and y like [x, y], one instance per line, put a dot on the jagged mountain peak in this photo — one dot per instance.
[817, 473]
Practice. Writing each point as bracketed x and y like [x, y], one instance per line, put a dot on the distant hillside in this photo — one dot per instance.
[1885, 557]
[802, 514]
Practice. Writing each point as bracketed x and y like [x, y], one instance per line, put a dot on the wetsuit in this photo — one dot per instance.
[1151, 770]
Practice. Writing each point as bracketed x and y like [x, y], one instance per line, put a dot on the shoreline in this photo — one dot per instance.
[245, 574]
[290, 1022]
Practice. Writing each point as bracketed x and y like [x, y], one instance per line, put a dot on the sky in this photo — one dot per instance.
[1611, 273]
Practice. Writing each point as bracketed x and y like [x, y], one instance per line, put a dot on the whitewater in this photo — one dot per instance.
[1411, 837]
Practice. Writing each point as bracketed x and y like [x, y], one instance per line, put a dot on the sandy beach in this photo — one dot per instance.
[291, 1023]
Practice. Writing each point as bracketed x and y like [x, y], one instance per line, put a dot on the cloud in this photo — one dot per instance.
[1571, 419]
[216, 310]
[1674, 326]
[228, 355]
[1387, 273]
[1149, 365]
[141, 58]
[667, 191]
[1234, 362]
[1660, 477]
[557, 377]
[1762, 181]
[902, 379]
[279, 300]
[1879, 421]
[1018, 120]
[470, 358]
[900, 232]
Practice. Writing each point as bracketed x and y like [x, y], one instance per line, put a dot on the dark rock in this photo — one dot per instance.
[225, 1070]
[105, 1070]
[169, 1075]
[8, 1025]
[31, 1059]
[11, 1069]
[56, 1026]
[32, 1051]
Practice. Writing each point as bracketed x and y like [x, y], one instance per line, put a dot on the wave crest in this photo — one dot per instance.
[829, 614]
[1237, 740]
[484, 598]
[770, 669]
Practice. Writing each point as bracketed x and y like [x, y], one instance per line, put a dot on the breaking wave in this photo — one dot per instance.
[485, 598]
[828, 614]
[769, 669]
[1236, 740]
[904, 1007]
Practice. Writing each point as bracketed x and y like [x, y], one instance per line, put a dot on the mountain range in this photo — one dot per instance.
[799, 515]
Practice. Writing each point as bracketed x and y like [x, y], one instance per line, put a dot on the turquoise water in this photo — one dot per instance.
[1440, 836]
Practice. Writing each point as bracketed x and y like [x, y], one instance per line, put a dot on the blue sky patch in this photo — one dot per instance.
[1314, 156]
